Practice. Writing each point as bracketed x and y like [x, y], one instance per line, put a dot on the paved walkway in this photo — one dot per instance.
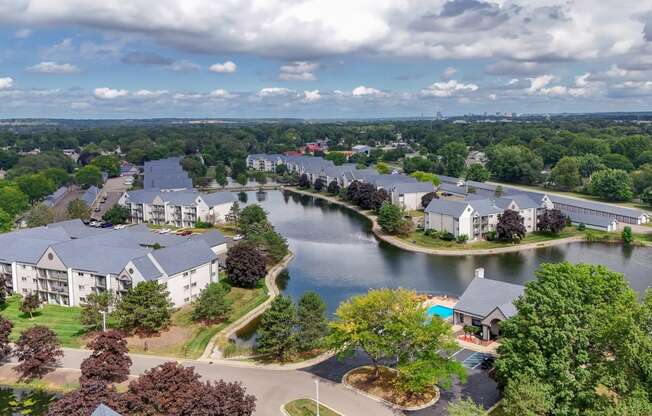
[272, 388]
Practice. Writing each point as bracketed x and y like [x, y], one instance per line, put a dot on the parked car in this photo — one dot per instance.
[95, 223]
[184, 233]
[120, 226]
[238, 237]
[106, 225]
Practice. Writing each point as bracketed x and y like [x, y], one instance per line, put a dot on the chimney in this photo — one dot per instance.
[479, 272]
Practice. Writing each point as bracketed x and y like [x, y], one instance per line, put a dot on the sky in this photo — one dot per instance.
[322, 58]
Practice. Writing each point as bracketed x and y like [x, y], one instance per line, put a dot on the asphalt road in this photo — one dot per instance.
[273, 388]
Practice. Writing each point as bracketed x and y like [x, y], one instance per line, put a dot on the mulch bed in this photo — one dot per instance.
[363, 378]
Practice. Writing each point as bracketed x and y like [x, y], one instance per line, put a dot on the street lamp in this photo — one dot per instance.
[317, 389]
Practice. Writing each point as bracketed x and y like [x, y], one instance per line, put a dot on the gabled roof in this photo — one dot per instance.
[213, 238]
[482, 296]
[90, 195]
[598, 206]
[413, 187]
[447, 207]
[218, 198]
[147, 268]
[183, 256]
[586, 219]
[76, 228]
[103, 410]
[485, 206]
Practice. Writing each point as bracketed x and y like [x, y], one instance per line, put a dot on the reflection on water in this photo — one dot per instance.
[337, 256]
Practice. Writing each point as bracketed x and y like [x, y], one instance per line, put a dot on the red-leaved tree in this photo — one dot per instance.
[109, 361]
[38, 351]
[5, 331]
[84, 400]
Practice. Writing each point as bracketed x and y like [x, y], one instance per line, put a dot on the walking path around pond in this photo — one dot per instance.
[271, 390]
[395, 241]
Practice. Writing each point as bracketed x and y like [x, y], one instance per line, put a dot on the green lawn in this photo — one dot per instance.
[420, 239]
[63, 320]
[307, 407]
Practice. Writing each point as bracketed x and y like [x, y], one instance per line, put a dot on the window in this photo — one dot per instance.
[80, 274]
[185, 274]
[186, 299]
[186, 287]
[24, 279]
[50, 256]
[193, 284]
[24, 290]
[83, 300]
[81, 287]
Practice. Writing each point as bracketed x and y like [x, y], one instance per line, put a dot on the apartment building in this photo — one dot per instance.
[166, 174]
[65, 262]
[177, 208]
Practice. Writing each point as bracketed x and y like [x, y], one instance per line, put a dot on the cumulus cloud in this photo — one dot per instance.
[22, 33]
[448, 89]
[363, 91]
[149, 93]
[274, 92]
[6, 83]
[541, 86]
[521, 30]
[299, 71]
[104, 93]
[227, 67]
[183, 66]
[49, 67]
[221, 94]
[311, 96]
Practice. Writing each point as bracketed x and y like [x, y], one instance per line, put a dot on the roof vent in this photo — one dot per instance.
[479, 272]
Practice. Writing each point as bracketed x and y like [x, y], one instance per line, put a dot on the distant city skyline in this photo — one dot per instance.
[311, 59]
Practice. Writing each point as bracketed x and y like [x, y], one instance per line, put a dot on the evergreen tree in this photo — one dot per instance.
[144, 308]
[234, 213]
[627, 235]
[312, 321]
[276, 333]
[212, 304]
[91, 314]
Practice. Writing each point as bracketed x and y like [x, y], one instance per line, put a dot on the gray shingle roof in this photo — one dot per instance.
[411, 187]
[447, 207]
[184, 256]
[452, 188]
[218, 198]
[484, 295]
[598, 206]
[213, 238]
[485, 206]
[147, 269]
[586, 219]
[165, 174]
[76, 228]
[103, 410]
[90, 195]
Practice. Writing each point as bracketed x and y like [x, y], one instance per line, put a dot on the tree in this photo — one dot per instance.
[365, 197]
[514, 163]
[6, 222]
[30, 303]
[91, 313]
[107, 163]
[37, 351]
[566, 174]
[35, 186]
[627, 235]
[383, 168]
[390, 218]
[271, 244]
[352, 191]
[612, 185]
[233, 216]
[552, 221]
[212, 305]
[499, 191]
[109, 361]
[319, 184]
[393, 325]
[465, 407]
[578, 332]
[40, 215]
[89, 176]
[312, 322]
[276, 336]
[84, 400]
[13, 201]
[642, 178]
[333, 188]
[378, 198]
[144, 308]
[453, 157]
[477, 172]
[510, 226]
[589, 164]
[425, 177]
[5, 332]
[245, 266]
[251, 214]
[242, 179]
[150, 394]
[526, 397]
[616, 161]
[304, 182]
[425, 200]
[78, 209]
[117, 214]
[646, 196]
[338, 158]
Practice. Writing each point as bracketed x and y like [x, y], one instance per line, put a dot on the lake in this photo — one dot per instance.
[337, 255]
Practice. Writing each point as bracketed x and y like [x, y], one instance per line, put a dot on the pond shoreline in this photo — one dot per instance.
[404, 245]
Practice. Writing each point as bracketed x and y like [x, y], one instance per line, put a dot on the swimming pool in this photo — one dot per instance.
[444, 312]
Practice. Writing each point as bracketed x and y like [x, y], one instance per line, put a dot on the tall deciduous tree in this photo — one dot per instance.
[245, 265]
[37, 351]
[88, 176]
[108, 361]
[612, 185]
[144, 308]
[526, 397]
[312, 321]
[453, 157]
[96, 303]
[425, 200]
[212, 304]
[378, 198]
[319, 184]
[117, 214]
[40, 215]
[251, 214]
[514, 163]
[552, 221]
[510, 226]
[566, 174]
[5, 331]
[352, 191]
[276, 333]
[12, 200]
[78, 209]
[6, 222]
[304, 182]
[477, 172]
[580, 332]
[35, 186]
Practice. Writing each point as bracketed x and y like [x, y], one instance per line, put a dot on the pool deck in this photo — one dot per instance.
[447, 301]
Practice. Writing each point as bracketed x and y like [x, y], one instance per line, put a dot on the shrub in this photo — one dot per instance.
[462, 239]
[581, 227]
[447, 236]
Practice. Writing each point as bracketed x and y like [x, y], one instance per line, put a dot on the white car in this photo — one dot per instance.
[94, 223]
[238, 237]
[120, 226]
